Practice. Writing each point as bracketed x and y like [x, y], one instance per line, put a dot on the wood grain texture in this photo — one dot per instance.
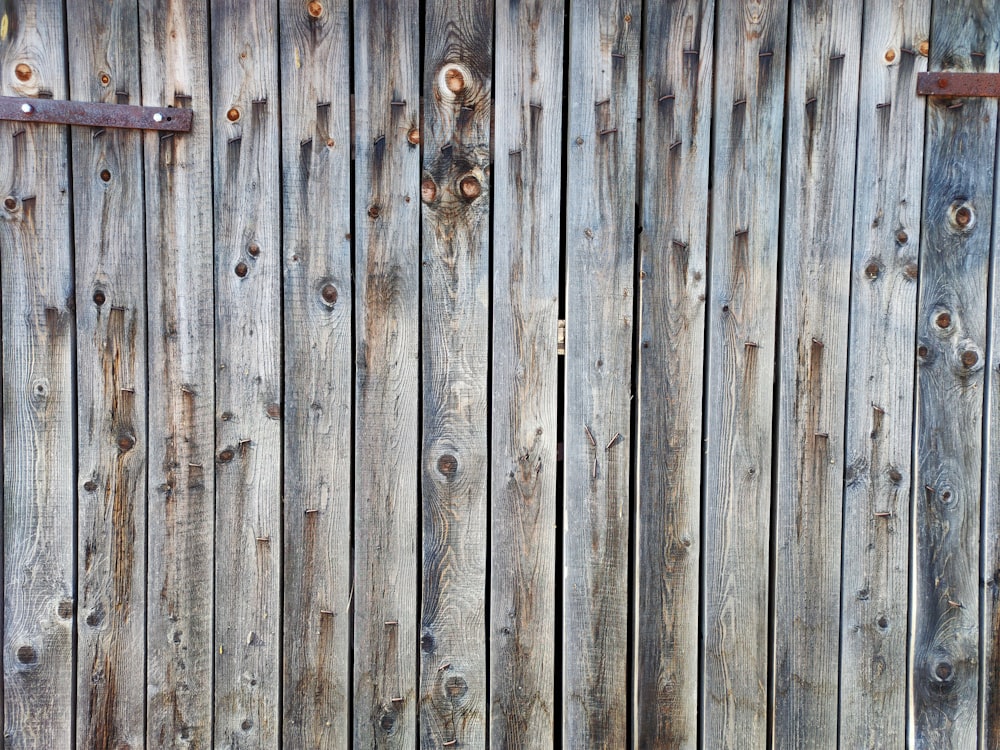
[674, 206]
[316, 231]
[455, 191]
[180, 324]
[880, 379]
[746, 173]
[600, 241]
[989, 687]
[248, 342]
[951, 342]
[817, 224]
[38, 416]
[527, 196]
[387, 305]
[111, 383]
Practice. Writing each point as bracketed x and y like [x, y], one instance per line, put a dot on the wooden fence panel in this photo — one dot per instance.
[316, 230]
[387, 269]
[181, 518]
[111, 384]
[38, 334]
[248, 375]
[880, 378]
[674, 205]
[746, 174]
[600, 219]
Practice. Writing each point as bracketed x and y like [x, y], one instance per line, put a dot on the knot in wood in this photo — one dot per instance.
[27, 655]
[970, 358]
[456, 687]
[126, 443]
[315, 9]
[23, 72]
[428, 190]
[329, 294]
[470, 187]
[233, 114]
[413, 136]
[241, 269]
[447, 465]
[10, 203]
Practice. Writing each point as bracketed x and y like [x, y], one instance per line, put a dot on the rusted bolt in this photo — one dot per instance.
[456, 687]
[233, 114]
[923, 48]
[943, 320]
[890, 55]
[428, 190]
[413, 136]
[90, 486]
[329, 293]
[253, 249]
[454, 80]
[105, 175]
[447, 465]
[470, 187]
[10, 203]
[227, 455]
[27, 655]
[315, 9]
[970, 358]
[871, 270]
[23, 72]
[126, 443]
[99, 297]
[105, 79]
[241, 269]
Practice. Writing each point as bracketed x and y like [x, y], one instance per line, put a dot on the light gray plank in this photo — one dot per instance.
[316, 230]
[38, 429]
[746, 173]
[676, 130]
[600, 219]
[879, 417]
[248, 544]
[111, 383]
[526, 229]
[387, 269]
[455, 298]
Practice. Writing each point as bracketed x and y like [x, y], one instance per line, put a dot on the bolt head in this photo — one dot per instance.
[27, 108]
[158, 117]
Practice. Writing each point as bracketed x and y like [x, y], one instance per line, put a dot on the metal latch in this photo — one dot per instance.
[62, 112]
[943, 83]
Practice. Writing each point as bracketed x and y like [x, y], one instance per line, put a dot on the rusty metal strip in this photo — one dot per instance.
[98, 114]
[958, 84]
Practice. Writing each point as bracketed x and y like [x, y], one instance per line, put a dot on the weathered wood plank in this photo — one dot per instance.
[817, 225]
[179, 268]
[455, 334]
[951, 341]
[989, 688]
[38, 331]
[676, 128]
[248, 544]
[879, 417]
[111, 383]
[387, 304]
[316, 230]
[527, 201]
[746, 173]
[600, 221]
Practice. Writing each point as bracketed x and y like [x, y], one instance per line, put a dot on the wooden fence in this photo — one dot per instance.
[290, 454]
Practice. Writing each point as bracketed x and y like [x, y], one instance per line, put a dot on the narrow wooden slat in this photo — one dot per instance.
[38, 496]
[817, 224]
[316, 230]
[677, 106]
[879, 422]
[746, 171]
[111, 383]
[174, 46]
[455, 343]
[951, 342]
[248, 541]
[600, 220]
[526, 229]
[989, 687]
[387, 304]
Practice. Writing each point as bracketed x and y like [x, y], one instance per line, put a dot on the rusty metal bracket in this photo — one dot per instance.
[62, 112]
[958, 84]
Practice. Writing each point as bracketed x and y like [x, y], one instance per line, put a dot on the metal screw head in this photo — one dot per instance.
[27, 108]
[158, 117]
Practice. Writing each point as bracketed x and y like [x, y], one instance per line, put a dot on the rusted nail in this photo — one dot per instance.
[817, 342]
[608, 131]
[233, 114]
[741, 232]
[185, 389]
[590, 436]
[839, 56]
[380, 141]
[952, 603]
[675, 145]
[241, 269]
[810, 100]
[450, 743]
[454, 80]
[739, 103]
[264, 539]
[617, 56]
[882, 514]
[579, 140]
[327, 612]
[127, 390]
[470, 188]
[397, 699]
[514, 153]
[691, 52]
[956, 105]
[908, 50]
[883, 105]
[765, 53]
[613, 441]
[665, 97]
[681, 245]
[413, 136]
[877, 408]
[312, 510]
[595, 467]
[750, 344]
[397, 103]
[444, 666]
[821, 435]
[428, 190]
[977, 54]
[315, 9]
[250, 636]
[602, 102]
[391, 623]
[531, 105]
[193, 465]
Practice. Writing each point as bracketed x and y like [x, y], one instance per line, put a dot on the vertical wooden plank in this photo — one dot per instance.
[600, 220]
[181, 514]
[951, 341]
[879, 422]
[111, 382]
[989, 689]
[527, 200]
[387, 228]
[38, 429]
[316, 189]
[746, 172]
[248, 544]
[457, 119]
[817, 224]
[676, 122]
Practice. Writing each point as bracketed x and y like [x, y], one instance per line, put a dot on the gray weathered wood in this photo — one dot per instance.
[248, 544]
[879, 416]
[455, 343]
[387, 304]
[38, 495]
[600, 220]
[989, 688]
[817, 224]
[951, 343]
[316, 231]
[111, 383]
[746, 169]
[526, 230]
[175, 72]
[676, 124]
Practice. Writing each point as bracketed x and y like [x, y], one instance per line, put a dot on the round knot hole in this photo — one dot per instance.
[454, 80]
[241, 269]
[22, 71]
[99, 297]
[27, 655]
[329, 293]
[233, 115]
[10, 203]
[470, 187]
[872, 270]
[943, 320]
[387, 722]
[447, 465]
[944, 671]
[247, 725]
[105, 175]
[890, 55]
[970, 358]
[315, 9]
